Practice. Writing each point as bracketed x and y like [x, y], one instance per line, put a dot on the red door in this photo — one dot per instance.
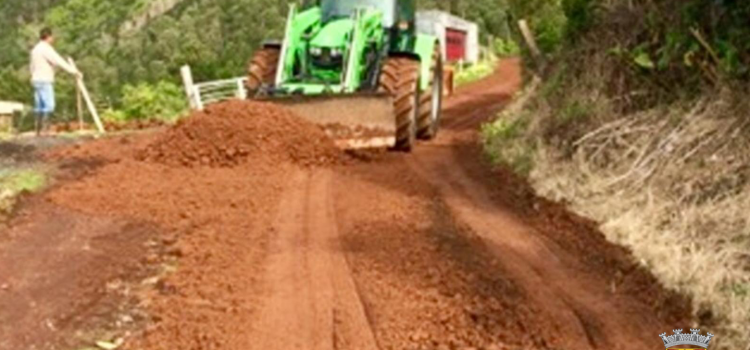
[455, 44]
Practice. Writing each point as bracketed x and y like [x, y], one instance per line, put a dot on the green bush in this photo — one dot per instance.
[575, 111]
[14, 182]
[505, 48]
[505, 144]
[163, 101]
[546, 19]
[114, 116]
[679, 43]
[550, 29]
[474, 72]
[579, 14]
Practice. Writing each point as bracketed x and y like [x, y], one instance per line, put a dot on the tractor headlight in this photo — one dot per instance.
[316, 51]
[336, 52]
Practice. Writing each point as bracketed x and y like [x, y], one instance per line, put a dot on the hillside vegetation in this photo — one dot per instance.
[133, 46]
[641, 122]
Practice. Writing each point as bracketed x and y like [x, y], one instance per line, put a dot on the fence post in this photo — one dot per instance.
[187, 80]
[197, 98]
[241, 92]
[79, 107]
[528, 36]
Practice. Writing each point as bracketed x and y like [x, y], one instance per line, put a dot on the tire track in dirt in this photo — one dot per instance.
[427, 283]
[584, 312]
[310, 300]
[426, 231]
[586, 315]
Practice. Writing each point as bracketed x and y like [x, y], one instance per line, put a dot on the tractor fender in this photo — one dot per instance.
[424, 46]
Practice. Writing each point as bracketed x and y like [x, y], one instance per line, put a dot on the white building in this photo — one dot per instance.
[459, 38]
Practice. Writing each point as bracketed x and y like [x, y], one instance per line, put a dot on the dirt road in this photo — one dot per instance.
[429, 250]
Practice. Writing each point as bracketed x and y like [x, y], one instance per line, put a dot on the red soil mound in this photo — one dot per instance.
[70, 126]
[233, 132]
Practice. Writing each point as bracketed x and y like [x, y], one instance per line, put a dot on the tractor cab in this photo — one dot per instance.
[341, 49]
[399, 13]
[338, 9]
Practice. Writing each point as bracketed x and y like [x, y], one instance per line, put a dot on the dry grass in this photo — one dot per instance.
[671, 184]
[658, 157]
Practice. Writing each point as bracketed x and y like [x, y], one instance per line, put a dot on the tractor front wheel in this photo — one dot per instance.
[262, 69]
[400, 79]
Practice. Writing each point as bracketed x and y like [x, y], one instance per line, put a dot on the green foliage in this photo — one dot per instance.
[741, 290]
[688, 43]
[505, 144]
[554, 85]
[163, 101]
[505, 47]
[546, 19]
[575, 111]
[215, 37]
[15, 181]
[504, 129]
[474, 72]
[14, 84]
[579, 15]
[115, 116]
[549, 28]
[643, 60]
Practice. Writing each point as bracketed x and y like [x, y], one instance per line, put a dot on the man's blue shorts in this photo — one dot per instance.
[44, 98]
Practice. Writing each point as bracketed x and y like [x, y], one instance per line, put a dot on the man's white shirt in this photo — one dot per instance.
[44, 60]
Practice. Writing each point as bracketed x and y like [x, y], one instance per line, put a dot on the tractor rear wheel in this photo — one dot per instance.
[431, 101]
[262, 69]
[400, 78]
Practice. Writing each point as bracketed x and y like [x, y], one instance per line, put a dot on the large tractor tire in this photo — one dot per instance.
[431, 101]
[400, 78]
[262, 69]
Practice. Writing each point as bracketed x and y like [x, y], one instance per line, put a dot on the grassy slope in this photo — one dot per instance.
[659, 157]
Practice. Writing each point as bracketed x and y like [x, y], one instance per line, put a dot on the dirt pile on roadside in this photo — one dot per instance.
[210, 184]
[235, 132]
[212, 221]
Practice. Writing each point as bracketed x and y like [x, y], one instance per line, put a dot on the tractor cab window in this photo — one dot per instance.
[333, 9]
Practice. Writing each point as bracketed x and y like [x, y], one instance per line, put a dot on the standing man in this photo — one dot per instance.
[44, 60]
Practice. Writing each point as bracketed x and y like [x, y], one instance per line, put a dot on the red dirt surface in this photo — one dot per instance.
[429, 250]
[215, 220]
[232, 132]
[109, 126]
[65, 277]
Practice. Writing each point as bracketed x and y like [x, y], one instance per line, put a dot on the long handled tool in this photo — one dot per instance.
[87, 98]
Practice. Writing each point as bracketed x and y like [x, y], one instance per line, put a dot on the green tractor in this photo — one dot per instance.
[357, 67]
